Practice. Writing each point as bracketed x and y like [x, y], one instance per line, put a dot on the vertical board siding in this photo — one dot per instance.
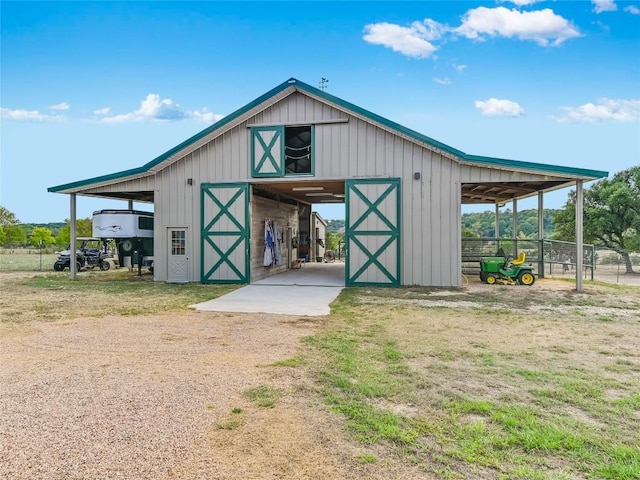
[430, 206]
[282, 214]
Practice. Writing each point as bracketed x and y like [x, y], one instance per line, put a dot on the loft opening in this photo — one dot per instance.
[298, 150]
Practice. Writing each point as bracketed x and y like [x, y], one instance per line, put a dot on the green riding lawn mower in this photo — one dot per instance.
[505, 271]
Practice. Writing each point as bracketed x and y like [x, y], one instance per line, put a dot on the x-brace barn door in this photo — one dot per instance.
[373, 232]
[267, 149]
[225, 233]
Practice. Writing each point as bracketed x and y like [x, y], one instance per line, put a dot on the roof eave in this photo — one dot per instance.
[73, 187]
[537, 168]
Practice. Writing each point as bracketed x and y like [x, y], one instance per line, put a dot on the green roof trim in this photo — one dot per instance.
[544, 168]
[488, 161]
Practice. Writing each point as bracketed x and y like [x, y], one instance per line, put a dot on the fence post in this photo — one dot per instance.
[541, 259]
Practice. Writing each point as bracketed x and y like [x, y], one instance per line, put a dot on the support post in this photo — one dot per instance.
[579, 234]
[497, 222]
[514, 227]
[541, 235]
[72, 236]
[130, 204]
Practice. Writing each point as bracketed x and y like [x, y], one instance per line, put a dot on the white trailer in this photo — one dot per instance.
[122, 224]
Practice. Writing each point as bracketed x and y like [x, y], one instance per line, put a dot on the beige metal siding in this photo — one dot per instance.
[472, 174]
[430, 251]
[139, 184]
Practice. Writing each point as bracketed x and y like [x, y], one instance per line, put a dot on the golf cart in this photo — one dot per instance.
[506, 271]
[92, 252]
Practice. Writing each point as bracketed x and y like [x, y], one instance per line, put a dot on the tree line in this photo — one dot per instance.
[14, 234]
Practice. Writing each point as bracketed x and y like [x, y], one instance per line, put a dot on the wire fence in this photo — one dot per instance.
[552, 258]
[557, 260]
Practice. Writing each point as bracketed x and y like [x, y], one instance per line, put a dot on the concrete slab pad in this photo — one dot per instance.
[304, 291]
[310, 301]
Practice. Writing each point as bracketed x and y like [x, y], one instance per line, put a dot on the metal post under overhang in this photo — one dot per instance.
[130, 205]
[72, 236]
[541, 234]
[497, 222]
[514, 226]
[579, 234]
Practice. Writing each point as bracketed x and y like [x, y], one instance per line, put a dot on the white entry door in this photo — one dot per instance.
[177, 256]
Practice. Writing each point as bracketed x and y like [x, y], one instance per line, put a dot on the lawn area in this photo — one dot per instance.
[476, 384]
[484, 382]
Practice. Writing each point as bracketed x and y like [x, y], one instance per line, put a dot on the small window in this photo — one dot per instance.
[297, 150]
[178, 244]
[145, 223]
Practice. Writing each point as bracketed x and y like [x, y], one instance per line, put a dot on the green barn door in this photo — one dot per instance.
[267, 149]
[225, 233]
[373, 232]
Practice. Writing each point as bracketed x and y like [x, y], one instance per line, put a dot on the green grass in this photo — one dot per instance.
[264, 396]
[95, 294]
[297, 361]
[554, 421]
[234, 420]
[23, 262]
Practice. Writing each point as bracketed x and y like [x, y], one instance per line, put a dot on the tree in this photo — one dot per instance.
[41, 236]
[84, 228]
[333, 240]
[611, 214]
[7, 218]
[14, 236]
[3, 235]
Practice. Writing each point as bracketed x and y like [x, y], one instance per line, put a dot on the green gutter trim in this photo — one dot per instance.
[103, 178]
[503, 162]
[297, 84]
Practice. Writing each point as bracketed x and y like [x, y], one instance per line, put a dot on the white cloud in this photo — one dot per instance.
[102, 112]
[495, 107]
[153, 108]
[413, 41]
[522, 3]
[419, 40]
[27, 115]
[442, 81]
[632, 9]
[605, 109]
[459, 68]
[206, 116]
[60, 106]
[541, 26]
[600, 6]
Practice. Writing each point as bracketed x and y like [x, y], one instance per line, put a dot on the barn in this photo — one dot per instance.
[233, 203]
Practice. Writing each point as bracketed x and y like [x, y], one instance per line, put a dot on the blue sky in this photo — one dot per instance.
[91, 88]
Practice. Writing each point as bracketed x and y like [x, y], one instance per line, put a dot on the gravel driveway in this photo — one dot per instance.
[144, 398]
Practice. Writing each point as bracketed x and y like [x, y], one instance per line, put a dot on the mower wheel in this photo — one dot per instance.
[483, 276]
[104, 265]
[491, 279]
[526, 278]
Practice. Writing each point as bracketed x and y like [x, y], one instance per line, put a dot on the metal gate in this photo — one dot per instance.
[373, 232]
[225, 233]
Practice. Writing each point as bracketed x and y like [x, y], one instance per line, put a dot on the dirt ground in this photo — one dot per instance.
[163, 396]
[153, 397]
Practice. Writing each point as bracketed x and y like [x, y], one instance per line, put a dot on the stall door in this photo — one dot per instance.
[225, 233]
[373, 232]
[177, 256]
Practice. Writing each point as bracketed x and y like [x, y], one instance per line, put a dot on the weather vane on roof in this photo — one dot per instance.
[323, 83]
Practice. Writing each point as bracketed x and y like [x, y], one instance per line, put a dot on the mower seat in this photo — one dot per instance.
[520, 260]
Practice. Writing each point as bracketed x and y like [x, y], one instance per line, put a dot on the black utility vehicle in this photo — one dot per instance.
[92, 252]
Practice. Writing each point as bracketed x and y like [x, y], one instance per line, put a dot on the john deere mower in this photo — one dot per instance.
[502, 270]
